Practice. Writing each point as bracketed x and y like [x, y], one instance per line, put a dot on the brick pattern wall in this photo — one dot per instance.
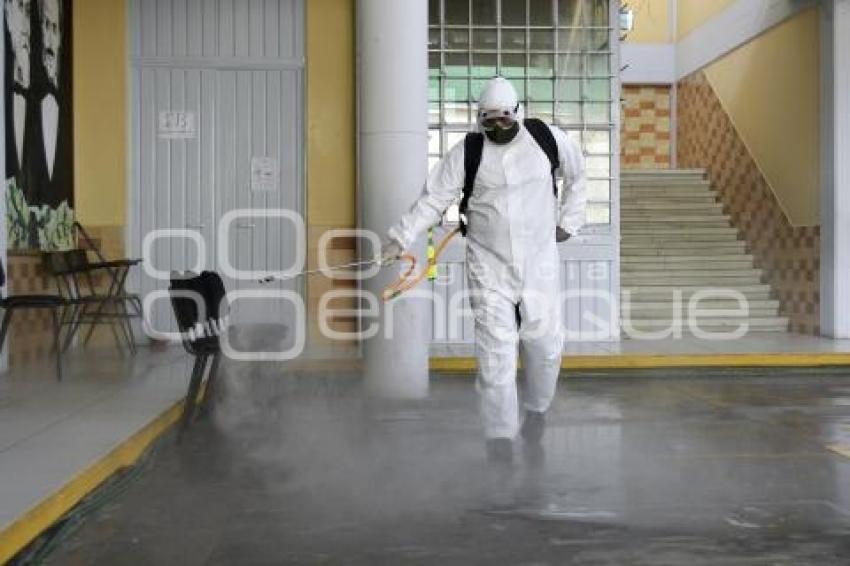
[30, 334]
[789, 255]
[339, 251]
[645, 135]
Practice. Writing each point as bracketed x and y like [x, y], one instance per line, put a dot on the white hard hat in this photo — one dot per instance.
[499, 94]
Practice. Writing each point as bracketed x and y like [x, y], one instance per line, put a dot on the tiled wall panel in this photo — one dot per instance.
[789, 255]
[645, 127]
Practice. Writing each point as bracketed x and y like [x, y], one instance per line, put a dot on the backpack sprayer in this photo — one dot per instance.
[408, 279]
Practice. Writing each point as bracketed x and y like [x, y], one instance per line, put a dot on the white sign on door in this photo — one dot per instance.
[176, 125]
[265, 174]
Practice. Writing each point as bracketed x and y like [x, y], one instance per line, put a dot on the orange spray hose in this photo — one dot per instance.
[408, 280]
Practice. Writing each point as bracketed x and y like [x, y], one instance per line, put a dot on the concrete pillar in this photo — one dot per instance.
[835, 170]
[392, 40]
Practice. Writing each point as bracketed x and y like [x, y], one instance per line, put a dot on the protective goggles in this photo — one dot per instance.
[501, 118]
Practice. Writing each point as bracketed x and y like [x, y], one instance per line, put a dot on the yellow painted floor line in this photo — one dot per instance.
[651, 361]
[23, 531]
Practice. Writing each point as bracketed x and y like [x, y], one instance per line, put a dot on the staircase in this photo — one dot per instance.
[676, 239]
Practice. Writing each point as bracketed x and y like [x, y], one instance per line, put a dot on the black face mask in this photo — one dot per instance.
[502, 136]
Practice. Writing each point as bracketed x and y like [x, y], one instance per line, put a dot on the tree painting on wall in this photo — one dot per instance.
[39, 124]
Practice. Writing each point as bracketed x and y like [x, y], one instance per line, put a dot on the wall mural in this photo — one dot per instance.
[39, 124]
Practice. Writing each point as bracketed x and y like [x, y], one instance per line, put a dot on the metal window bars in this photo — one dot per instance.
[556, 52]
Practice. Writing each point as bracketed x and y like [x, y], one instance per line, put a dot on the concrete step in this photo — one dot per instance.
[684, 205]
[650, 184]
[634, 246]
[705, 312]
[706, 272]
[712, 285]
[627, 202]
[707, 300]
[687, 266]
[711, 276]
[671, 246]
[703, 300]
[676, 232]
[657, 191]
[661, 293]
[662, 172]
[664, 175]
[668, 188]
[638, 236]
[683, 244]
[683, 181]
[668, 219]
[638, 306]
[709, 258]
[769, 324]
[662, 206]
[676, 242]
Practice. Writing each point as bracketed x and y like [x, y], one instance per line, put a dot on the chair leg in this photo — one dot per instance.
[137, 306]
[117, 333]
[127, 327]
[89, 334]
[57, 329]
[192, 395]
[4, 330]
[119, 320]
[73, 326]
[96, 319]
[209, 395]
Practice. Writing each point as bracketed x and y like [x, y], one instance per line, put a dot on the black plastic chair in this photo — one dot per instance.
[200, 309]
[54, 303]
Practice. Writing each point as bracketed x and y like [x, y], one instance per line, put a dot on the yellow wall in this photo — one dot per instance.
[770, 89]
[100, 112]
[331, 123]
[693, 13]
[652, 22]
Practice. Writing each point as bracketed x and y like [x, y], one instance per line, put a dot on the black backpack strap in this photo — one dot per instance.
[544, 138]
[473, 145]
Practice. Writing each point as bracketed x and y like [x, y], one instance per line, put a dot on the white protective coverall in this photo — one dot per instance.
[512, 263]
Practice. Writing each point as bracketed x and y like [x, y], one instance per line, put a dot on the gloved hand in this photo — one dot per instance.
[561, 235]
[390, 252]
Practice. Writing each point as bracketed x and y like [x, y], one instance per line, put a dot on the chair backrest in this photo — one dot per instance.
[68, 267]
[214, 293]
[90, 244]
[187, 300]
[198, 302]
[61, 262]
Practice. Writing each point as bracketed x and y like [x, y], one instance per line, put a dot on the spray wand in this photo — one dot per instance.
[408, 279]
[307, 273]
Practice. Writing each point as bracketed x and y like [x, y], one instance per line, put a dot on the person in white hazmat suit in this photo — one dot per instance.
[513, 220]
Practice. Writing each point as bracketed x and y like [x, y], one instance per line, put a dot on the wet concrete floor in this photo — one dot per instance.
[685, 469]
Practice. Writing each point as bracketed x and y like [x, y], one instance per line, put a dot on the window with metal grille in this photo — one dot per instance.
[557, 53]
